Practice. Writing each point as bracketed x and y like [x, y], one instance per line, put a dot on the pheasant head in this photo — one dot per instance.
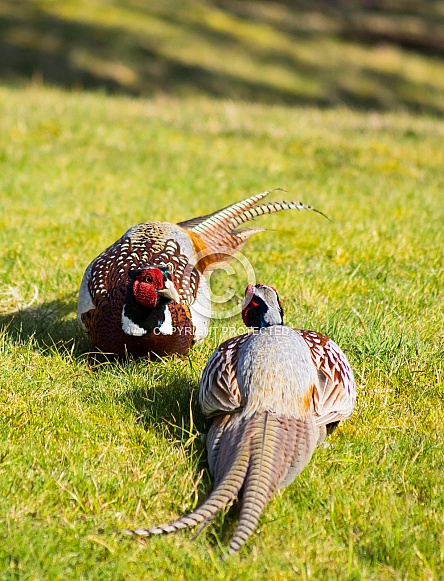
[261, 307]
[150, 291]
[153, 286]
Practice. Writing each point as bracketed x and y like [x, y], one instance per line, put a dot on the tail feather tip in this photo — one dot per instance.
[135, 532]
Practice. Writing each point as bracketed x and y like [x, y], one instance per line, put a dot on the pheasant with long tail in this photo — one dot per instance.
[147, 292]
[274, 394]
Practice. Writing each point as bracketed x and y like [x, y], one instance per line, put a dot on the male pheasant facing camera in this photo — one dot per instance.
[274, 394]
[146, 293]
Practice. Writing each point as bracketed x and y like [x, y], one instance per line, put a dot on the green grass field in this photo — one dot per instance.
[89, 446]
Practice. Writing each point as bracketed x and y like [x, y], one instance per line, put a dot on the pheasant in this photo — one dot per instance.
[146, 293]
[274, 393]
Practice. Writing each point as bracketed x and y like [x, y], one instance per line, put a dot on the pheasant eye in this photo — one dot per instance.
[149, 278]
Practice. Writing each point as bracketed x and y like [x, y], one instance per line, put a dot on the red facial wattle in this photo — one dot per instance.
[145, 293]
[146, 285]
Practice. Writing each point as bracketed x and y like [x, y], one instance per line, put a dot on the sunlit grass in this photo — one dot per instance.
[88, 446]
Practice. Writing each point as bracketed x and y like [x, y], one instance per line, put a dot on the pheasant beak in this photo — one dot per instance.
[170, 291]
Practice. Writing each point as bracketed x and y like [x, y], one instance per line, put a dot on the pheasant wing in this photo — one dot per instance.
[219, 391]
[336, 397]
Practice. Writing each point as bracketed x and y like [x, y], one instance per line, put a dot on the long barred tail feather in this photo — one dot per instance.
[207, 222]
[271, 208]
[265, 470]
[219, 233]
[220, 498]
[259, 455]
[276, 448]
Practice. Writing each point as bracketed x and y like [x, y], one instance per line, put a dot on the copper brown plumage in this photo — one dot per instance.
[273, 394]
[111, 313]
[106, 281]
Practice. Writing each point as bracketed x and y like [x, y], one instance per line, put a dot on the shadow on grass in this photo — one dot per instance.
[121, 57]
[171, 407]
[166, 401]
[35, 43]
[48, 324]
[170, 402]
[166, 392]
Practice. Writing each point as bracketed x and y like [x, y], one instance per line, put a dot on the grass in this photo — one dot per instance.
[88, 447]
[383, 54]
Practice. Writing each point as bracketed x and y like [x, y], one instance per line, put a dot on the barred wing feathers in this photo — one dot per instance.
[336, 398]
[219, 391]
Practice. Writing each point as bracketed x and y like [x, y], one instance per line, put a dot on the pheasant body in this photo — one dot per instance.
[163, 318]
[105, 285]
[273, 393]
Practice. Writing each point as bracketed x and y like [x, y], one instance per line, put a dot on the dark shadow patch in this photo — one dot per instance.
[80, 54]
[49, 324]
[171, 405]
[174, 410]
